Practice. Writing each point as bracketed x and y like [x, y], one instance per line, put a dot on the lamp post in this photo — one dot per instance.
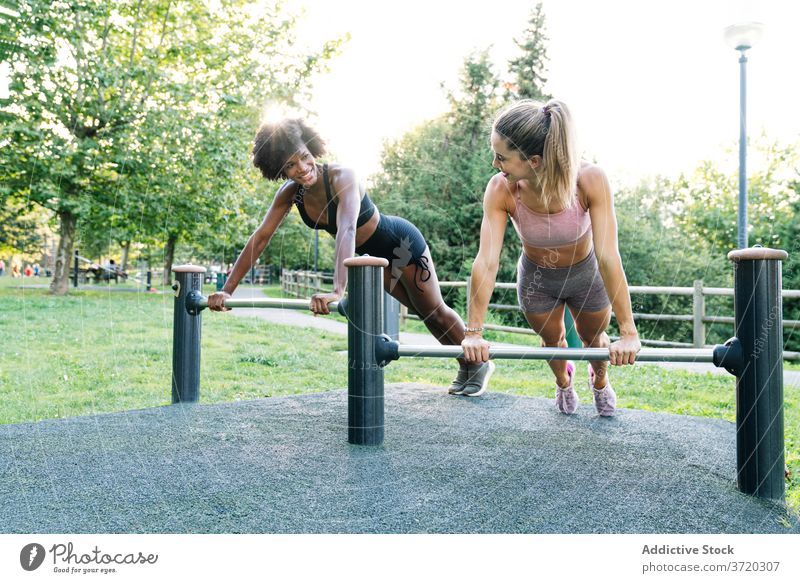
[742, 37]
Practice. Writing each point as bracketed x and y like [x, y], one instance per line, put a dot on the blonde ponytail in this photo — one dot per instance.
[544, 130]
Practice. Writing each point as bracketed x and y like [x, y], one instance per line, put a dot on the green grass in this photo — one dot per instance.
[102, 351]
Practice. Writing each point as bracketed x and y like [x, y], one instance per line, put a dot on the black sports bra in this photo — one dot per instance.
[364, 214]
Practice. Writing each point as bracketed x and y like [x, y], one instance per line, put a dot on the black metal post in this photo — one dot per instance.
[365, 372]
[759, 386]
[75, 272]
[391, 316]
[186, 333]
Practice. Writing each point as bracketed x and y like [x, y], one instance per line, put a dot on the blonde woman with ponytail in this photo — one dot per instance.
[563, 211]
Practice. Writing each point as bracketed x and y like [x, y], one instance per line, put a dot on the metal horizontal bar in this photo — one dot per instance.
[286, 304]
[523, 353]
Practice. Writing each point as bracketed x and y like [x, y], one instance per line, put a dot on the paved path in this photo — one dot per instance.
[298, 318]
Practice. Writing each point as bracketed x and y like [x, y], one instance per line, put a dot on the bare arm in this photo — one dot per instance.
[594, 183]
[345, 185]
[484, 268]
[258, 241]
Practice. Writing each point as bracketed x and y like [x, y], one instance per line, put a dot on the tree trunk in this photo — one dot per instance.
[126, 247]
[63, 260]
[169, 255]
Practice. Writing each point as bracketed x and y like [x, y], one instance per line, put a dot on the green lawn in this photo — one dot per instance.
[102, 351]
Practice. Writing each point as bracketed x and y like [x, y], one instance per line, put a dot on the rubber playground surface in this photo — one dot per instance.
[496, 464]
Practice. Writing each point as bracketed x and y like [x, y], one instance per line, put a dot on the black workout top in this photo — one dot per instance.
[364, 214]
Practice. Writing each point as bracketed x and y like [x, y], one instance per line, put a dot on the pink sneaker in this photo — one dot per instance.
[566, 397]
[605, 399]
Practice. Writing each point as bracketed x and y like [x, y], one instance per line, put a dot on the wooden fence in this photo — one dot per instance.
[305, 283]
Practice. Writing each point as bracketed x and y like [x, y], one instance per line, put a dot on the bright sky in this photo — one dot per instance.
[652, 84]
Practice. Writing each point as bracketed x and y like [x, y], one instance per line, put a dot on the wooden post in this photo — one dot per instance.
[698, 313]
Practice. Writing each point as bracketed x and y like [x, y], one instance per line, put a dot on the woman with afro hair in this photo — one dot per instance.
[329, 197]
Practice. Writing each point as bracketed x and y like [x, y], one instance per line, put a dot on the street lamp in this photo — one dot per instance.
[742, 37]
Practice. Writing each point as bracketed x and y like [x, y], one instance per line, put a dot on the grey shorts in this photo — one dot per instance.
[540, 289]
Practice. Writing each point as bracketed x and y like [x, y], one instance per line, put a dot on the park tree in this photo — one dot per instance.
[706, 202]
[707, 207]
[435, 175]
[8, 13]
[655, 252]
[113, 104]
[20, 227]
[474, 100]
[201, 167]
[446, 162]
[528, 70]
[291, 247]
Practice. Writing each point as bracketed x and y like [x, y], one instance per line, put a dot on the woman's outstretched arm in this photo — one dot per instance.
[594, 184]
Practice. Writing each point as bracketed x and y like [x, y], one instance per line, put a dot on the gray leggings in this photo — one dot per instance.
[541, 289]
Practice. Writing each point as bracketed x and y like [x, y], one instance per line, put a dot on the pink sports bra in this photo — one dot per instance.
[559, 229]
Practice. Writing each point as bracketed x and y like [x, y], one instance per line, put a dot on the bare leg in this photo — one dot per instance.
[419, 290]
[550, 326]
[591, 327]
[425, 298]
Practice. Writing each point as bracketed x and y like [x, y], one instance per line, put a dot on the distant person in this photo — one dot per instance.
[2, 268]
[329, 197]
[563, 211]
[15, 271]
[36, 270]
[110, 270]
[28, 270]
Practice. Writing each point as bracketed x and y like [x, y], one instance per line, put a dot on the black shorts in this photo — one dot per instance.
[396, 240]
[400, 243]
